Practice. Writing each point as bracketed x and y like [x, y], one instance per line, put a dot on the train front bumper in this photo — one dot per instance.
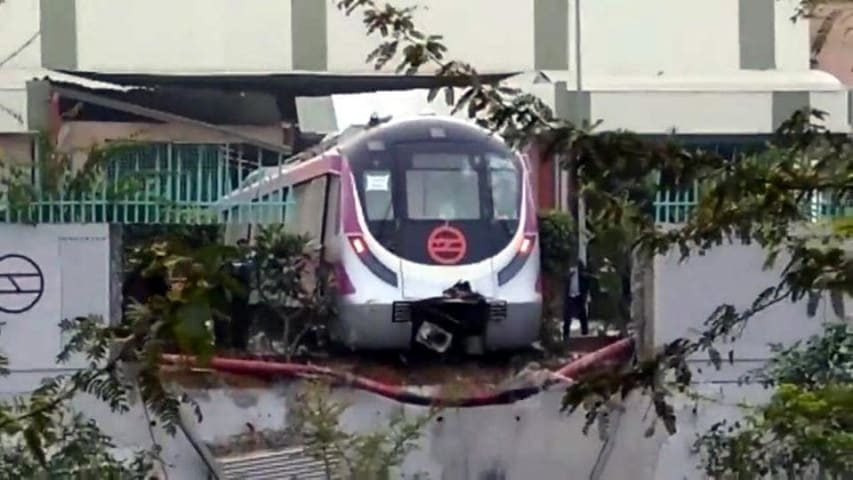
[381, 326]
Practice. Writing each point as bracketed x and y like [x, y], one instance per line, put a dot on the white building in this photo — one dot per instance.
[716, 71]
[711, 69]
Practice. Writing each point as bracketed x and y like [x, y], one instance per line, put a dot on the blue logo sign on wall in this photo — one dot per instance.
[21, 283]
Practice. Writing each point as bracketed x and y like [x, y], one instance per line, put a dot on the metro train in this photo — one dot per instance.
[429, 226]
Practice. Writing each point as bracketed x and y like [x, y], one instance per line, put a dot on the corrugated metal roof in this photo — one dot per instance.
[286, 464]
[17, 78]
[735, 81]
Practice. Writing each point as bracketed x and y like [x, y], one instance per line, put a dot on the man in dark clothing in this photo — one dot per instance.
[576, 291]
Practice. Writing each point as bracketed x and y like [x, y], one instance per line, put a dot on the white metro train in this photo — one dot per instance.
[430, 227]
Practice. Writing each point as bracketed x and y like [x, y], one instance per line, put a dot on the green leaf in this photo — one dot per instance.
[449, 95]
[837, 299]
[34, 443]
[715, 357]
[433, 92]
[813, 303]
[191, 329]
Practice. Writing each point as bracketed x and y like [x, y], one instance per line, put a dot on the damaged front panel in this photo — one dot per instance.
[454, 322]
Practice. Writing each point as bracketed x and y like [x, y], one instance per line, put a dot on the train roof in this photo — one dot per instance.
[390, 130]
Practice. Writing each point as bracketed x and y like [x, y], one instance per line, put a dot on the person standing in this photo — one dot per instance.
[576, 291]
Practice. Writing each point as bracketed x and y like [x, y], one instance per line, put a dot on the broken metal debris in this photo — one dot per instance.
[459, 312]
[434, 337]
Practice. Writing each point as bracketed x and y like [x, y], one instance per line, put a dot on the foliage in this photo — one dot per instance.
[124, 358]
[298, 306]
[78, 449]
[823, 360]
[52, 186]
[200, 290]
[755, 197]
[556, 236]
[42, 437]
[808, 423]
[752, 198]
[193, 236]
[608, 265]
[798, 433]
[357, 456]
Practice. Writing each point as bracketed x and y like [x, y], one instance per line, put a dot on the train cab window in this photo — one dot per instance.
[442, 186]
[378, 201]
[504, 183]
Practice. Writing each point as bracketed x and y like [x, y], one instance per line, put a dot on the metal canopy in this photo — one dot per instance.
[285, 87]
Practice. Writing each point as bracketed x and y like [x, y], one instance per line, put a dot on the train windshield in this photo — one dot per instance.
[410, 188]
[449, 186]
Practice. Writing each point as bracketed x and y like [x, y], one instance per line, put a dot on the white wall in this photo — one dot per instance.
[74, 261]
[529, 439]
[792, 38]
[687, 293]
[668, 36]
[491, 34]
[186, 36]
[13, 110]
[618, 36]
[19, 21]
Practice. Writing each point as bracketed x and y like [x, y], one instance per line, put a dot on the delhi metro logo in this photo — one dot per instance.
[21, 283]
[447, 245]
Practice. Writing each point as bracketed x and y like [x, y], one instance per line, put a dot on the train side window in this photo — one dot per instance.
[333, 214]
[310, 197]
[282, 196]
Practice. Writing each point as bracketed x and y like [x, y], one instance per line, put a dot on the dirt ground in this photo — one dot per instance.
[486, 371]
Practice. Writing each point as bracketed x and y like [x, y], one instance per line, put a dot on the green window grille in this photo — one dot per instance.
[673, 206]
[151, 183]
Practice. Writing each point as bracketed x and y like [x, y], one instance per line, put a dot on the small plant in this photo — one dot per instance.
[356, 456]
[78, 449]
[556, 237]
[42, 436]
[290, 291]
[806, 427]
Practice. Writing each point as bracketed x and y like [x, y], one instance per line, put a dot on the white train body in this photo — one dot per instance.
[405, 210]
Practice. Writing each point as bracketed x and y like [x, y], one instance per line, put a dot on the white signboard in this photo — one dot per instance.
[48, 273]
[377, 182]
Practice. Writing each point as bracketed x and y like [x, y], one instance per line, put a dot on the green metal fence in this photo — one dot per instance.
[181, 183]
[152, 183]
[675, 206]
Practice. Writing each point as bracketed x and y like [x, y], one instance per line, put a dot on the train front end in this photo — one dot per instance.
[438, 240]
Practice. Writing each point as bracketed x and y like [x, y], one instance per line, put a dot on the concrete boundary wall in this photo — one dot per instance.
[526, 440]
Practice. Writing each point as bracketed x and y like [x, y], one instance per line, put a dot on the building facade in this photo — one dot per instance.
[713, 71]
[617, 37]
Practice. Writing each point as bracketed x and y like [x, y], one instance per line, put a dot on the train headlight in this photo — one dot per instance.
[511, 270]
[358, 245]
[372, 263]
[526, 245]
